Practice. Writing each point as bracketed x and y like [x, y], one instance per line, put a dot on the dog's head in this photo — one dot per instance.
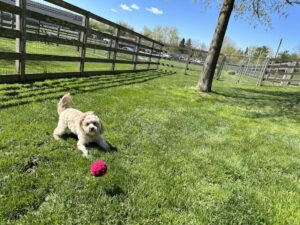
[90, 124]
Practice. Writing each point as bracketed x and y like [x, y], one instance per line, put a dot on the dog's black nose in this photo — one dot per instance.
[92, 129]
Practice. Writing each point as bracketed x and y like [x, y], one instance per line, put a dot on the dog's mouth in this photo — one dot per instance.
[92, 130]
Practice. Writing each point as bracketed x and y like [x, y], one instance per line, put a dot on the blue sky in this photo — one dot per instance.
[196, 23]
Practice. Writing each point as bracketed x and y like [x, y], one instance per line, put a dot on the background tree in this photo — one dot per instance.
[259, 9]
[229, 47]
[189, 44]
[101, 27]
[124, 33]
[285, 55]
[147, 32]
[199, 45]
[182, 45]
[167, 35]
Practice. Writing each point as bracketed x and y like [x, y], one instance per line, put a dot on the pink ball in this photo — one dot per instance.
[98, 168]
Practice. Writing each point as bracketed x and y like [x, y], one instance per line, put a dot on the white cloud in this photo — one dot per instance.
[155, 10]
[125, 7]
[134, 6]
[114, 10]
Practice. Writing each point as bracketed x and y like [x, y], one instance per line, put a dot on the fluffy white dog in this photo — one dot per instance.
[86, 126]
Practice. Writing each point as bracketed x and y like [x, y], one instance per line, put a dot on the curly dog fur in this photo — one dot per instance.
[87, 126]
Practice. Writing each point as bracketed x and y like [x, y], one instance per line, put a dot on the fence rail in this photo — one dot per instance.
[264, 71]
[26, 25]
[283, 72]
[188, 59]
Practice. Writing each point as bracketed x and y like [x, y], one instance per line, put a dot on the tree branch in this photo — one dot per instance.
[292, 2]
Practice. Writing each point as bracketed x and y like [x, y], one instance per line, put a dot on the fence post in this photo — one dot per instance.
[21, 41]
[78, 39]
[151, 52]
[115, 46]
[12, 19]
[136, 52]
[1, 18]
[58, 31]
[158, 63]
[289, 73]
[109, 52]
[263, 71]
[188, 62]
[220, 68]
[83, 40]
[39, 27]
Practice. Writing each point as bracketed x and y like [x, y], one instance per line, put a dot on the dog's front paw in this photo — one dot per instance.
[56, 137]
[85, 154]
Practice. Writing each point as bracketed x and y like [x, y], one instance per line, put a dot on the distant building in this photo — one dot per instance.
[48, 10]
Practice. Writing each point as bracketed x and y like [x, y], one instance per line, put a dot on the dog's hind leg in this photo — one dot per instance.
[59, 130]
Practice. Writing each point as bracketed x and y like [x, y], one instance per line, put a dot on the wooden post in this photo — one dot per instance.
[263, 71]
[161, 47]
[83, 39]
[151, 52]
[1, 18]
[79, 33]
[188, 62]
[136, 51]
[109, 52]
[12, 19]
[220, 68]
[58, 31]
[115, 46]
[94, 37]
[21, 42]
[39, 27]
[290, 73]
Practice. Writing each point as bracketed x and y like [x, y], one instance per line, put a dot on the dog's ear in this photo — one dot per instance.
[100, 127]
[88, 113]
[83, 116]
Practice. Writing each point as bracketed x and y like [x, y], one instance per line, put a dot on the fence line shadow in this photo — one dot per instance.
[20, 94]
[277, 103]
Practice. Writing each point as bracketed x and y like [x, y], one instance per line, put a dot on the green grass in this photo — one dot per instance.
[179, 157]
[182, 64]
[33, 47]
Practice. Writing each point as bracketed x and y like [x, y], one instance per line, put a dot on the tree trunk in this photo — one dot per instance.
[205, 81]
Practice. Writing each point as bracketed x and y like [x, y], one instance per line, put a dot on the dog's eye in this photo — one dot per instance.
[94, 123]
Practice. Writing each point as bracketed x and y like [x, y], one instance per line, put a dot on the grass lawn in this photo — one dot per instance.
[33, 47]
[179, 157]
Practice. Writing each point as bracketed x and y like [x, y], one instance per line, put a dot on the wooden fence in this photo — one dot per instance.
[72, 34]
[282, 72]
[264, 71]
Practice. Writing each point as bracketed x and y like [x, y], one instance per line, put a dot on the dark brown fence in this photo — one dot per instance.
[28, 25]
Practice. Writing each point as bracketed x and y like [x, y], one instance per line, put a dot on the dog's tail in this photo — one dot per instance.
[64, 103]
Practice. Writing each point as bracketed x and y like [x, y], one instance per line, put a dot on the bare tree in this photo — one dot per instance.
[259, 9]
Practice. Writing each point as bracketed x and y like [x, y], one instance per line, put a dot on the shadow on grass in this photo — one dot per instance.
[275, 103]
[67, 136]
[20, 94]
[114, 191]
